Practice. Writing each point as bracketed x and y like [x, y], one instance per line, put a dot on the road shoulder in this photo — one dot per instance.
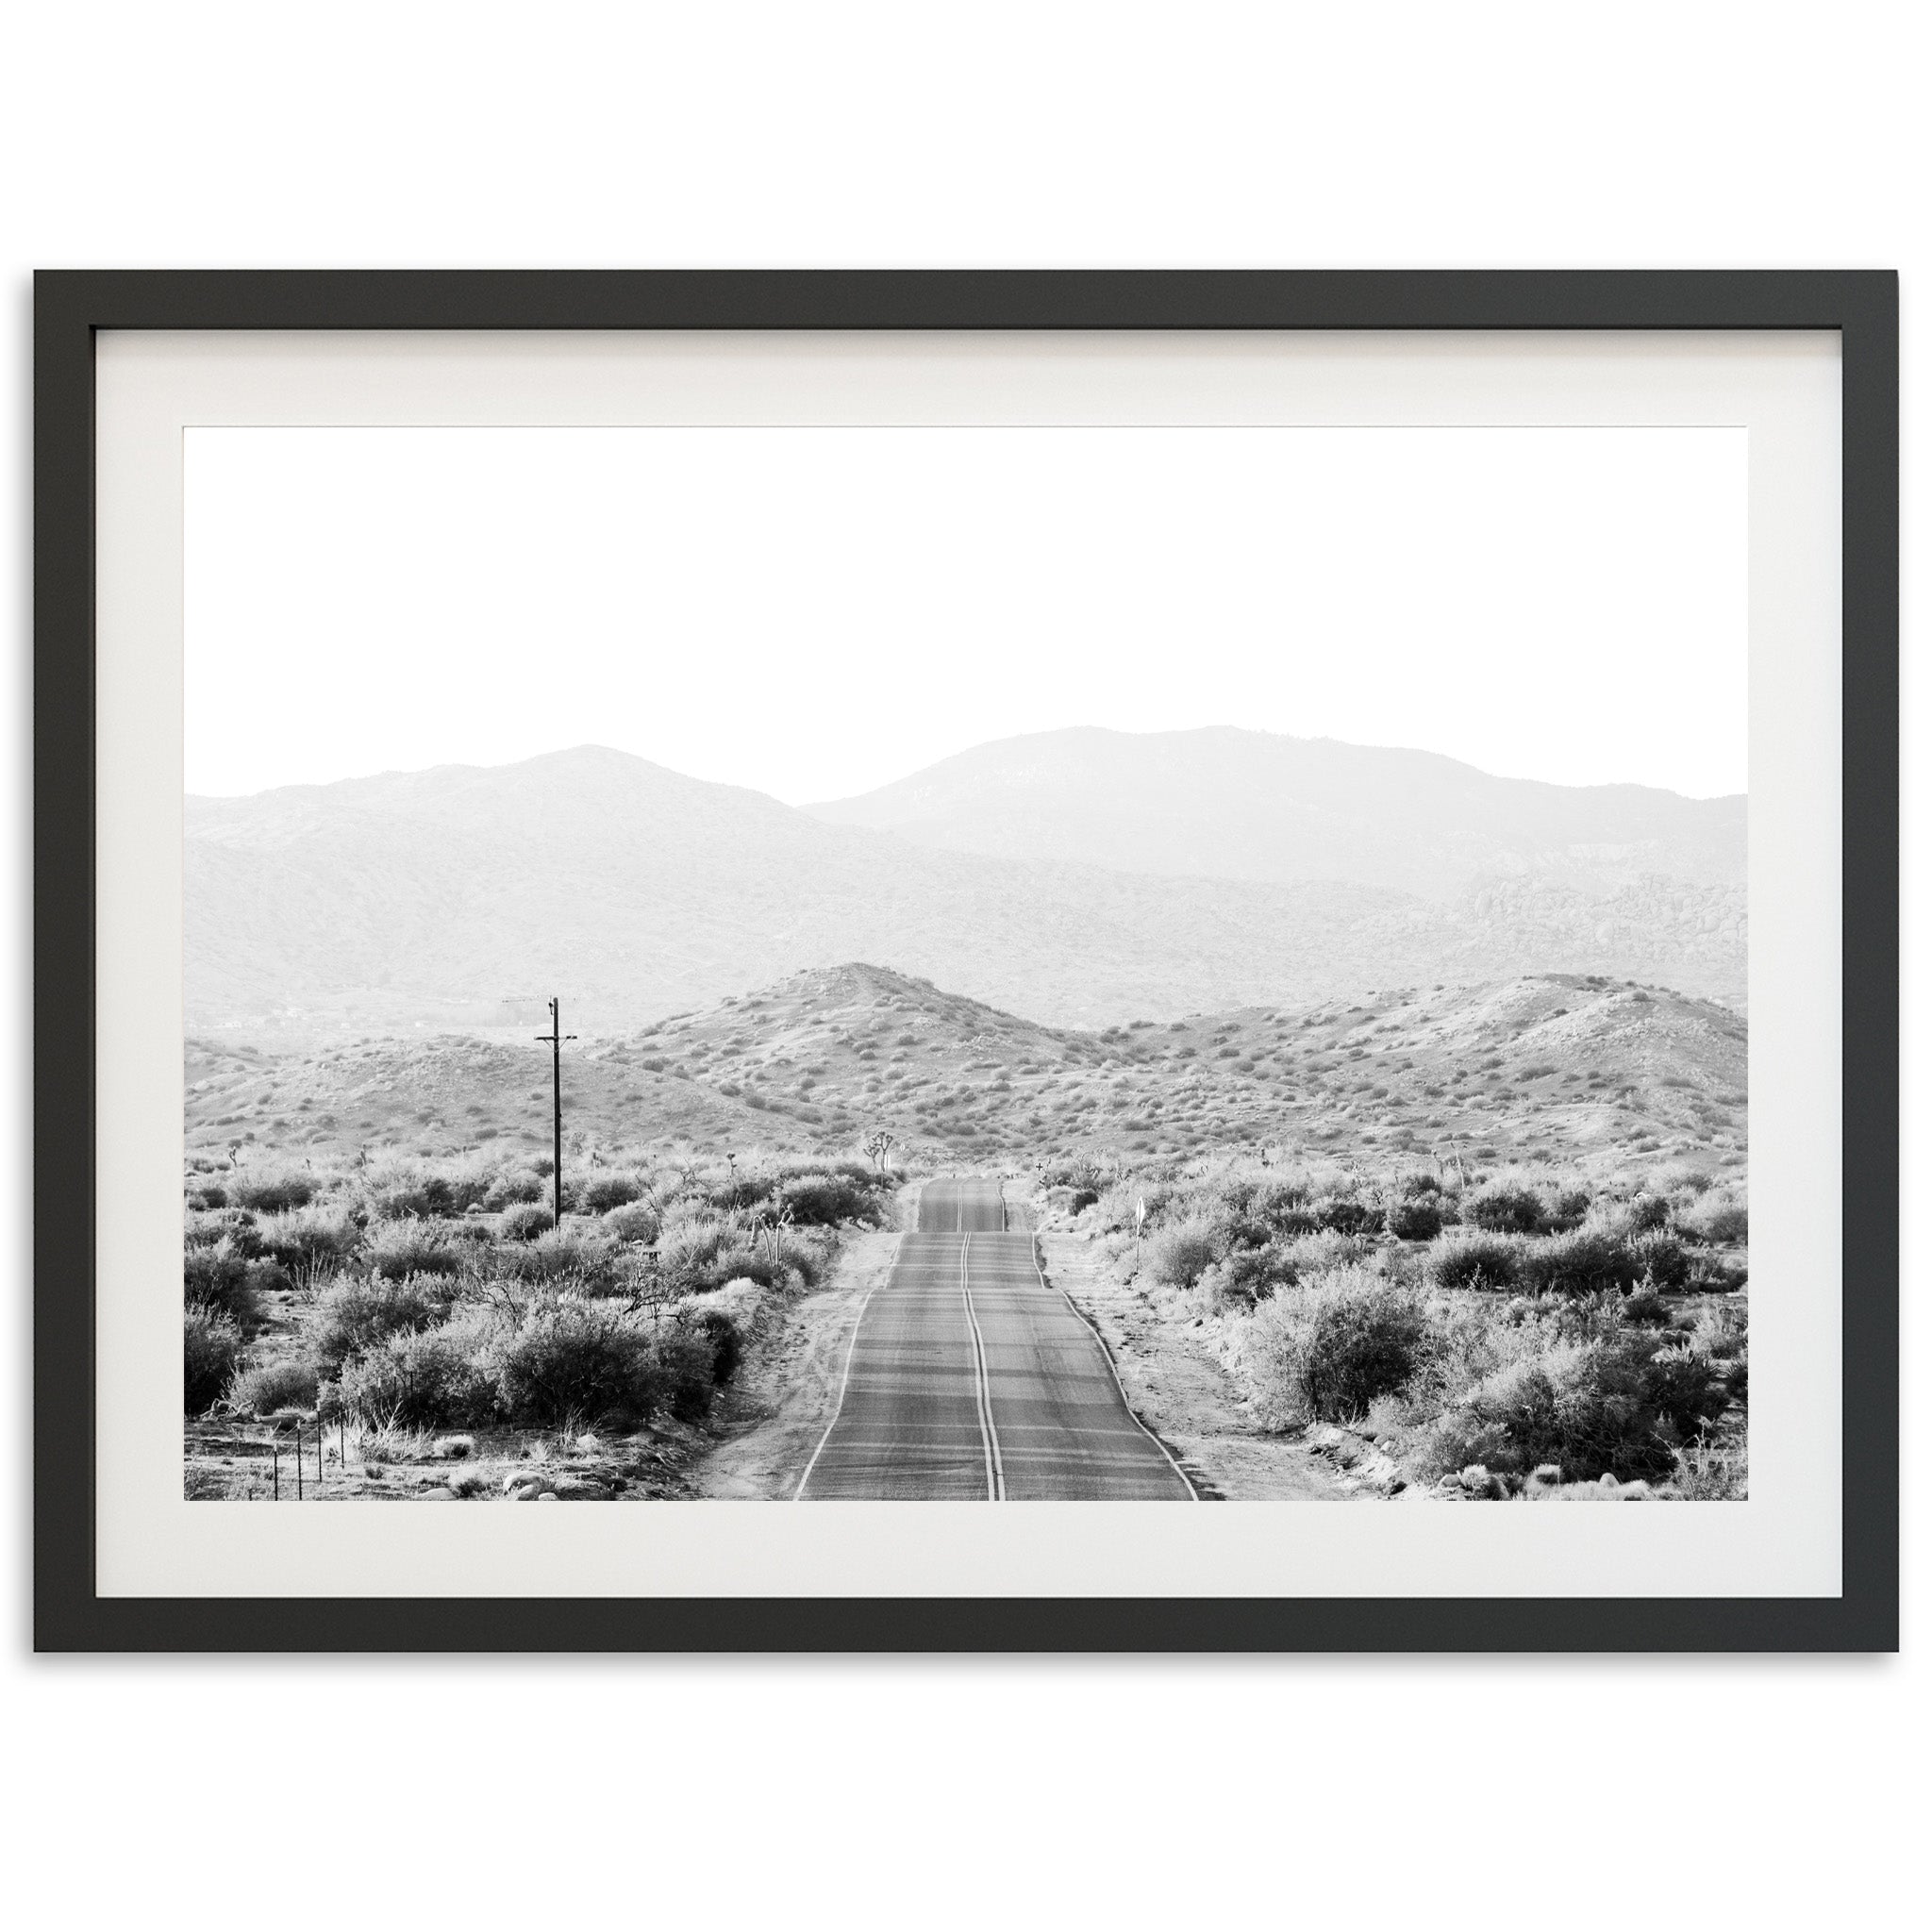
[1182, 1394]
[786, 1391]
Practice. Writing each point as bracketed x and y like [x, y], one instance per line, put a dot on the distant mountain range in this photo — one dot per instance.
[1224, 803]
[1075, 878]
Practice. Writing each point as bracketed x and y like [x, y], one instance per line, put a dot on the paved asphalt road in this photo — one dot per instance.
[969, 1378]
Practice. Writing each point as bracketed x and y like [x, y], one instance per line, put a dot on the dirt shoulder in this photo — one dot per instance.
[1183, 1396]
[787, 1388]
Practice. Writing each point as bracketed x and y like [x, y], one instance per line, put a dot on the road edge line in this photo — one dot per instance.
[845, 1379]
[1112, 1369]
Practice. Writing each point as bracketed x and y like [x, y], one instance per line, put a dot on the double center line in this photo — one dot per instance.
[982, 1393]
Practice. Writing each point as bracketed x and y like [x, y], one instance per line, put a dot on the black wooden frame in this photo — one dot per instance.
[70, 306]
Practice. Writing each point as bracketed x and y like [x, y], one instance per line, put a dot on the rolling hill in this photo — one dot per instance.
[415, 901]
[1536, 1067]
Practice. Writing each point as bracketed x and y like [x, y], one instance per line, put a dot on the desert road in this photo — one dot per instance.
[968, 1377]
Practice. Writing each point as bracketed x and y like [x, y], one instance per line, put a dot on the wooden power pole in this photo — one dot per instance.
[556, 1038]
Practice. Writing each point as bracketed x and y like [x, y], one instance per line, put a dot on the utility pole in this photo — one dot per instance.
[556, 1038]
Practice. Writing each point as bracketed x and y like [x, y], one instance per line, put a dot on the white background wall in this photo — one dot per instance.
[912, 1792]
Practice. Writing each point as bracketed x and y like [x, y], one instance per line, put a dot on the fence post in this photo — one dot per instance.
[275, 1449]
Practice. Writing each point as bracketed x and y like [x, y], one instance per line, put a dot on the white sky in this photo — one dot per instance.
[816, 611]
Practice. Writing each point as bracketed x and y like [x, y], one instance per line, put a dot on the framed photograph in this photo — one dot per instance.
[797, 904]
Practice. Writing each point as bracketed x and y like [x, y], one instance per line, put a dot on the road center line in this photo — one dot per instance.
[995, 1470]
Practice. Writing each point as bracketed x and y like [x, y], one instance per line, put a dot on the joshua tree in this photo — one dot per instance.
[875, 1145]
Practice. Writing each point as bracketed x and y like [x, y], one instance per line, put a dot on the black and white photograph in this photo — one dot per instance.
[1084, 964]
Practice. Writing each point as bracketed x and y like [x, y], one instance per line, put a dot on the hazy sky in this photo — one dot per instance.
[815, 611]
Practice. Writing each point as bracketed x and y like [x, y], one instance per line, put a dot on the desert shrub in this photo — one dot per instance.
[1415, 1217]
[1501, 1209]
[515, 1188]
[638, 1221]
[1590, 1260]
[526, 1221]
[1646, 1309]
[585, 1257]
[1712, 1274]
[210, 1346]
[1077, 1172]
[1722, 1331]
[1285, 1221]
[1719, 1335]
[1469, 1337]
[1328, 1348]
[1284, 1206]
[416, 1196]
[1659, 1259]
[208, 1194]
[608, 1190]
[1177, 1257]
[396, 1189]
[1475, 1260]
[1643, 1212]
[799, 1257]
[690, 1251]
[1716, 1219]
[218, 1279]
[1243, 1232]
[353, 1316]
[858, 1172]
[1680, 1178]
[417, 1379]
[760, 1264]
[400, 1248]
[1345, 1214]
[684, 1363]
[773, 1260]
[1248, 1276]
[1070, 1199]
[1326, 1249]
[823, 1200]
[742, 1300]
[1567, 1211]
[272, 1193]
[727, 1345]
[269, 1277]
[739, 1192]
[281, 1382]
[234, 1225]
[577, 1358]
[1414, 1186]
[306, 1239]
[1710, 1470]
[1618, 1405]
